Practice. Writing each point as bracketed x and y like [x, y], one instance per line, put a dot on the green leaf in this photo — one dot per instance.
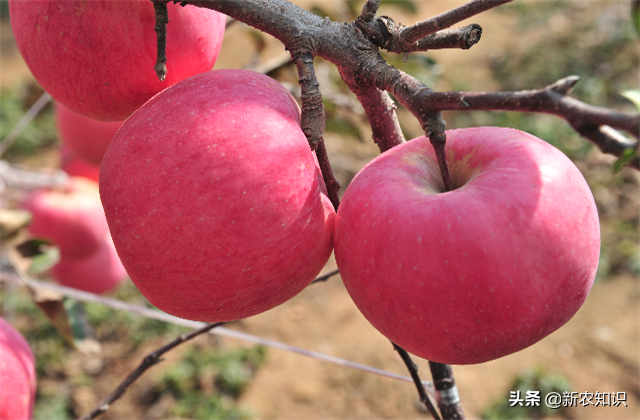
[627, 156]
[635, 14]
[84, 336]
[633, 95]
[49, 256]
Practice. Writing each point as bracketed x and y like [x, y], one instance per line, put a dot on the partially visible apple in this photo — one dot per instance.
[85, 137]
[97, 57]
[72, 217]
[479, 272]
[76, 167]
[97, 273]
[213, 200]
[17, 375]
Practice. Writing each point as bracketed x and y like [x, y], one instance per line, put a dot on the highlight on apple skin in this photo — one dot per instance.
[213, 200]
[17, 375]
[482, 271]
[85, 137]
[97, 58]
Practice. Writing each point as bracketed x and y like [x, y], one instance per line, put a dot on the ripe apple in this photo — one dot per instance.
[76, 167]
[72, 217]
[17, 375]
[85, 137]
[97, 57]
[479, 272]
[213, 200]
[97, 273]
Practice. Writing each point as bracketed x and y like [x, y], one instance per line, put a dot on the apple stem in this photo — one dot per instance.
[162, 19]
[434, 129]
[413, 370]
[446, 391]
[150, 360]
[333, 186]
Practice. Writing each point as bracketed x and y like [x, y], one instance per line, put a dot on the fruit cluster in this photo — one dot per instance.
[218, 209]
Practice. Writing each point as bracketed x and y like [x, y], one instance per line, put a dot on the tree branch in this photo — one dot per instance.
[162, 19]
[587, 120]
[333, 186]
[380, 109]
[415, 32]
[413, 370]
[151, 359]
[446, 391]
[326, 276]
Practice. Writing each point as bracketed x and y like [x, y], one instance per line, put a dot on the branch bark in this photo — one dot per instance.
[152, 358]
[446, 391]
[413, 370]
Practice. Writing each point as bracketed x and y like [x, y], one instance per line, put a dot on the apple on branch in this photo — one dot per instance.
[479, 272]
[213, 198]
[17, 375]
[97, 57]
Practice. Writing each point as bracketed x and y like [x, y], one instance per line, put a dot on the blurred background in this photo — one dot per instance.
[525, 45]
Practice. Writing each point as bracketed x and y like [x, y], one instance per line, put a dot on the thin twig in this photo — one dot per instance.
[369, 10]
[35, 109]
[333, 186]
[413, 370]
[12, 278]
[151, 359]
[162, 19]
[326, 276]
[415, 32]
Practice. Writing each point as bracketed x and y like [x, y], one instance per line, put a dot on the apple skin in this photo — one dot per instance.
[72, 218]
[213, 199]
[97, 273]
[85, 137]
[482, 271]
[97, 57]
[17, 375]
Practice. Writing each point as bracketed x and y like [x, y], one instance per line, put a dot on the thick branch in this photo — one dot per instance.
[151, 359]
[162, 19]
[413, 370]
[415, 32]
[313, 117]
[587, 120]
[446, 391]
[463, 38]
[380, 110]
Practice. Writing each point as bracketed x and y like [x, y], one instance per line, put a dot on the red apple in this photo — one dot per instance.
[213, 200]
[97, 273]
[76, 167]
[85, 137]
[17, 375]
[97, 57]
[479, 272]
[72, 217]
